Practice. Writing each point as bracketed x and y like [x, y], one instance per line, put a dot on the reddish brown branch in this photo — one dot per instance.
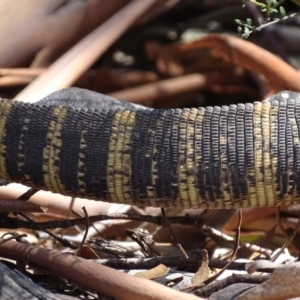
[252, 57]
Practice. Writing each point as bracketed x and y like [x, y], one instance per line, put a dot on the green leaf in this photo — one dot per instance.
[247, 32]
[240, 30]
[282, 11]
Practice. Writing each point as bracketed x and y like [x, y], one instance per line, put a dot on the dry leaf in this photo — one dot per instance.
[203, 272]
[159, 271]
[87, 252]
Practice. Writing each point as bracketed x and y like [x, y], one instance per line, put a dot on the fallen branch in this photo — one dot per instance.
[90, 275]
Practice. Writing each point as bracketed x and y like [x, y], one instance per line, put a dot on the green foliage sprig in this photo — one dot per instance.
[268, 7]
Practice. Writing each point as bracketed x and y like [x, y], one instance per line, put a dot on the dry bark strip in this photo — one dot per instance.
[90, 275]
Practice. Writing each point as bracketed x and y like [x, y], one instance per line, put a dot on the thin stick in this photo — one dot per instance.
[86, 231]
[162, 89]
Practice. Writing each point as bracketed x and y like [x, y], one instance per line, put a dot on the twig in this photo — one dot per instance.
[31, 72]
[289, 240]
[13, 81]
[236, 247]
[8, 205]
[145, 240]
[269, 35]
[64, 242]
[162, 89]
[172, 233]
[92, 225]
[86, 231]
[214, 232]
[275, 21]
[26, 196]
[194, 259]
[14, 223]
[206, 291]
[14, 236]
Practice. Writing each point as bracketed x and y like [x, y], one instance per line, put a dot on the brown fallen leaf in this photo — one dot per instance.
[158, 271]
[203, 272]
[87, 252]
